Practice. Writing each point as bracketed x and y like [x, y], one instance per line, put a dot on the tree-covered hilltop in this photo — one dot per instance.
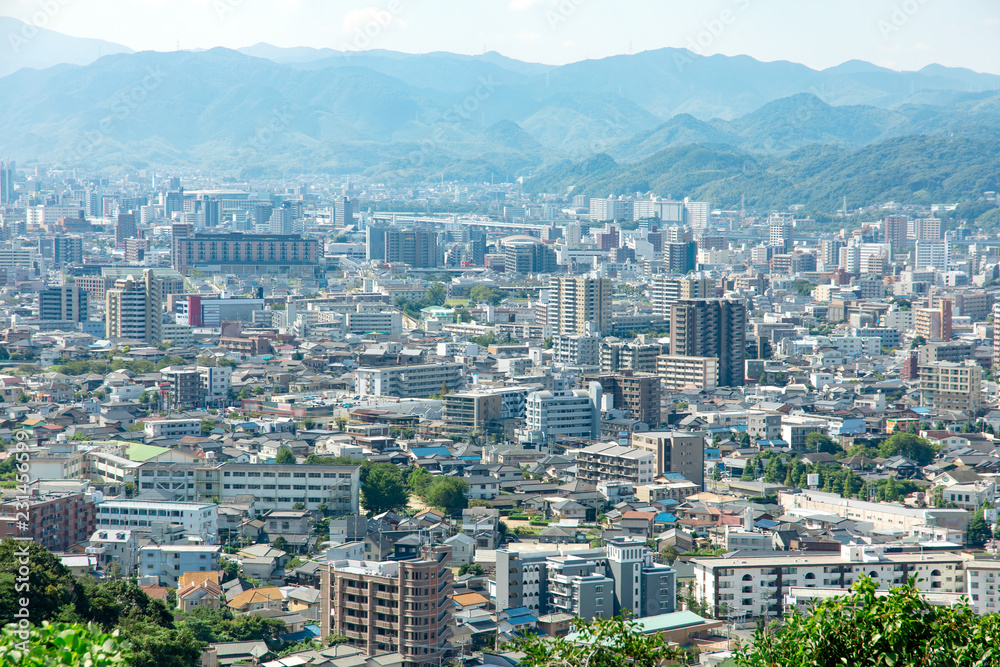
[913, 169]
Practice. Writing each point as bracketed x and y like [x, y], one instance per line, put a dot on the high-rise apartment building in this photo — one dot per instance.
[134, 308]
[579, 305]
[780, 232]
[391, 606]
[416, 247]
[711, 328]
[675, 451]
[62, 249]
[637, 394]
[667, 291]
[7, 169]
[125, 228]
[611, 209]
[66, 303]
[343, 212]
[927, 229]
[933, 323]
[568, 413]
[946, 385]
[526, 254]
[894, 229]
[610, 239]
[931, 255]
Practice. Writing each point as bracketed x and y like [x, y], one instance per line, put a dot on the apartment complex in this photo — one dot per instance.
[674, 452]
[623, 570]
[200, 519]
[67, 303]
[569, 413]
[56, 520]
[418, 381]
[134, 308]
[637, 394]
[678, 372]
[246, 254]
[711, 328]
[278, 486]
[579, 305]
[612, 462]
[946, 385]
[666, 291]
[391, 606]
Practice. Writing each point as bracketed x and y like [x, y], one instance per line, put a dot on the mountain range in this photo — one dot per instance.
[591, 125]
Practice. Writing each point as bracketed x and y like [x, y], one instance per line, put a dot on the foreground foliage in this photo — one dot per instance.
[897, 629]
[59, 644]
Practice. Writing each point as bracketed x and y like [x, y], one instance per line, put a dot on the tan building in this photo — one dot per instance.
[402, 606]
[675, 451]
[945, 385]
[579, 305]
[134, 308]
[933, 323]
[471, 410]
[677, 371]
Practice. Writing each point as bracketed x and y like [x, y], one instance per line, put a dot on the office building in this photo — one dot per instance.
[674, 452]
[711, 328]
[7, 171]
[246, 254]
[611, 462]
[666, 291]
[67, 303]
[567, 413]
[579, 305]
[679, 372]
[391, 606]
[200, 311]
[946, 385]
[636, 394]
[417, 381]
[134, 309]
[415, 247]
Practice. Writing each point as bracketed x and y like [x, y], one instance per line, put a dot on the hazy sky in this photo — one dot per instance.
[902, 34]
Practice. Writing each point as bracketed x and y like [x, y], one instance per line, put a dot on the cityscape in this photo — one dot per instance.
[333, 354]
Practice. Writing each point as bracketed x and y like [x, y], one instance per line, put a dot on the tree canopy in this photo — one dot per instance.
[909, 445]
[383, 489]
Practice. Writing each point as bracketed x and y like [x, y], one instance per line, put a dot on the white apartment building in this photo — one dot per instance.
[215, 382]
[169, 562]
[751, 586]
[982, 578]
[276, 486]
[569, 413]
[677, 371]
[576, 350]
[418, 381]
[115, 546]
[932, 523]
[794, 429]
[171, 428]
[609, 461]
[931, 255]
[198, 519]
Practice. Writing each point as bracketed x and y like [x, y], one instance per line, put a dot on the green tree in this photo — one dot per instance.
[437, 294]
[868, 629]
[909, 445]
[63, 645]
[448, 494]
[978, 531]
[284, 457]
[603, 642]
[418, 479]
[547, 343]
[820, 442]
[280, 543]
[383, 489]
[485, 294]
[51, 585]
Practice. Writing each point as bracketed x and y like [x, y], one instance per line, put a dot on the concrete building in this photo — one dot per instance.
[56, 520]
[567, 413]
[579, 305]
[472, 410]
[576, 350]
[675, 452]
[637, 394]
[64, 303]
[933, 323]
[711, 328]
[525, 254]
[416, 247]
[134, 309]
[931, 255]
[417, 381]
[184, 388]
[636, 355]
[247, 254]
[390, 606]
[678, 372]
[171, 428]
[613, 462]
[197, 519]
[795, 428]
[756, 585]
[665, 291]
[168, 562]
[946, 385]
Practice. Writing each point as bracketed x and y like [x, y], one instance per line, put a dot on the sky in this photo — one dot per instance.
[901, 34]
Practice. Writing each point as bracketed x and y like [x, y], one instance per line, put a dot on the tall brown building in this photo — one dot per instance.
[712, 328]
[638, 394]
[391, 605]
[56, 521]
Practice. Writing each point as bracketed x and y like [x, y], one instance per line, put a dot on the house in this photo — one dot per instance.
[484, 487]
[231, 653]
[201, 594]
[463, 549]
[263, 562]
[256, 599]
[304, 601]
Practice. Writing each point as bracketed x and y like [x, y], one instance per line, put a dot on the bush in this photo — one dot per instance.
[58, 644]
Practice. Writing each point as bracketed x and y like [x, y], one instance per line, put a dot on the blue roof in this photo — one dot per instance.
[521, 620]
[666, 517]
[427, 452]
[766, 524]
[920, 411]
[675, 476]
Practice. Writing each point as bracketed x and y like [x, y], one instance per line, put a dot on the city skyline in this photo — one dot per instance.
[902, 36]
